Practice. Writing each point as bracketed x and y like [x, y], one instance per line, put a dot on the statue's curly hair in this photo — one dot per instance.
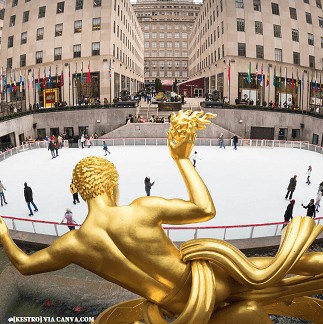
[93, 176]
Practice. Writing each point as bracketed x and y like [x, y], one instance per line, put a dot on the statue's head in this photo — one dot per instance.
[94, 176]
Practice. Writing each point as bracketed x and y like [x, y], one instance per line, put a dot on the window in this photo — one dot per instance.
[146, 35]
[239, 4]
[41, 12]
[169, 44]
[77, 50]
[184, 35]
[60, 7]
[278, 55]
[96, 23]
[306, 1]
[296, 58]
[293, 13]
[169, 35]
[310, 39]
[161, 35]
[22, 60]
[319, 4]
[25, 16]
[9, 63]
[311, 61]
[23, 38]
[256, 5]
[10, 41]
[240, 24]
[241, 49]
[95, 48]
[78, 4]
[14, 3]
[258, 27]
[57, 54]
[259, 51]
[77, 26]
[39, 57]
[146, 44]
[321, 22]
[58, 30]
[40, 33]
[275, 9]
[97, 3]
[277, 31]
[12, 21]
[295, 35]
[308, 17]
[321, 42]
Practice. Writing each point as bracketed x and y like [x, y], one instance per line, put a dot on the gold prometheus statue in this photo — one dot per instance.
[207, 280]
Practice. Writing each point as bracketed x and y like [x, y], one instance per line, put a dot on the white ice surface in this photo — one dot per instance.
[247, 185]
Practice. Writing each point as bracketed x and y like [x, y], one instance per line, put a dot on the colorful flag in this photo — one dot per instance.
[285, 77]
[279, 84]
[69, 74]
[256, 69]
[249, 73]
[44, 79]
[82, 72]
[297, 81]
[261, 74]
[32, 79]
[20, 82]
[229, 73]
[268, 76]
[28, 80]
[110, 71]
[1, 80]
[293, 81]
[50, 77]
[275, 77]
[88, 80]
[5, 81]
[10, 84]
[14, 81]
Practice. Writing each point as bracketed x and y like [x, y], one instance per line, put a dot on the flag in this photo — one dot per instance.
[285, 77]
[44, 79]
[50, 77]
[1, 80]
[275, 81]
[5, 81]
[32, 79]
[249, 73]
[88, 80]
[293, 81]
[268, 76]
[20, 82]
[297, 81]
[110, 71]
[14, 81]
[38, 81]
[62, 78]
[82, 72]
[56, 74]
[261, 74]
[315, 84]
[229, 73]
[69, 73]
[256, 69]
[28, 80]
[303, 81]
[280, 78]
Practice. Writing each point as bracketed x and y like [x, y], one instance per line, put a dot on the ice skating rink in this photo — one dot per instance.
[247, 185]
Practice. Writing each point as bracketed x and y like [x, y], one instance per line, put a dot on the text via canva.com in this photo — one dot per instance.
[50, 319]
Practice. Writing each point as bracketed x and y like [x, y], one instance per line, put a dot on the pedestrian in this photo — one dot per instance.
[105, 148]
[194, 158]
[289, 212]
[56, 146]
[318, 201]
[82, 140]
[221, 141]
[2, 197]
[291, 187]
[310, 209]
[51, 148]
[60, 141]
[69, 219]
[308, 173]
[148, 185]
[320, 187]
[29, 199]
[235, 141]
[74, 192]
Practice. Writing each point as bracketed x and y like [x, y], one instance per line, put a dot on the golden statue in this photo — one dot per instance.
[207, 281]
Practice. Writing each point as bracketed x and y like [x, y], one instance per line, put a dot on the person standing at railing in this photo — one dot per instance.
[29, 199]
[289, 212]
[69, 219]
[291, 187]
[310, 209]
[74, 192]
[2, 197]
[82, 140]
[308, 173]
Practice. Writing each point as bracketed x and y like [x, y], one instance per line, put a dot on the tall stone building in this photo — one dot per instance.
[263, 50]
[166, 26]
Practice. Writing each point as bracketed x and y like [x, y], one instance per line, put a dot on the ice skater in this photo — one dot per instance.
[194, 158]
[291, 187]
[2, 197]
[310, 209]
[235, 141]
[82, 140]
[105, 148]
[308, 173]
[29, 199]
[74, 192]
[51, 148]
[69, 219]
[289, 212]
[221, 141]
[318, 201]
[148, 185]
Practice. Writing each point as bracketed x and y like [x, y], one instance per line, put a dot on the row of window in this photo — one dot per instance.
[274, 6]
[57, 54]
[169, 44]
[60, 5]
[169, 64]
[162, 35]
[168, 53]
[162, 27]
[163, 74]
[278, 54]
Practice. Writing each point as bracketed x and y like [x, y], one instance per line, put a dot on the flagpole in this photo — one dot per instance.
[62, 86]
[229, 78]
[28, 87]
[268, 71]
[110, 71]
[69, 84]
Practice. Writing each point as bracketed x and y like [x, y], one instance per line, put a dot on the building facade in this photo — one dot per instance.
[166, 26]
[70, 51]
[267, 51]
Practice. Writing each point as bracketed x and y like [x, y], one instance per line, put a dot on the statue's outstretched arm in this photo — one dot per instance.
[52, 258]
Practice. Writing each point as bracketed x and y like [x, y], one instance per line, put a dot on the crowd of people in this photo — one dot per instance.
[140, 119]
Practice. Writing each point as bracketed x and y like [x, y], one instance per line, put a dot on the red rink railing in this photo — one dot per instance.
[176, 233]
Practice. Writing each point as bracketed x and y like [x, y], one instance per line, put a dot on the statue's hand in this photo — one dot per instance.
[3, 228]
[181, 148]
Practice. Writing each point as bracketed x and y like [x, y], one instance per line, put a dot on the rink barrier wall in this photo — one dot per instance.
[228, 232]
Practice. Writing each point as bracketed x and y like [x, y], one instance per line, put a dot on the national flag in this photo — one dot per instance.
[110, 71]
[50, 77]
[62, 78]
[20, 82]
[32, 79]
[14, 81]
[315, 84]
[297, 81]
[5, 81]
[275, 77]
[44, 79]
[249, 73]
[293, 81]
[56, 74]
[261, 74]
[280, 78]
[268, 76]
[303, 85]
[28, 80]
[229, 73]
[1, 80]
[38, 81]
[69, 73]
[285, 77]
[88, 79]
[10, 85]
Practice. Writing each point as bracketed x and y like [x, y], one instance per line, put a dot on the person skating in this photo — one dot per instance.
[291, 187]
[51, 148]
[289, 212]
[69, 219]
[105, 148]
[221, 141]
[310, 209]
[148, 185]
[2, 196]
[56, 146]
[74, 192]
[308, 173]
[82, 140]
[194, 158]
[235, 141]
[29, 199]
[318, 201]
